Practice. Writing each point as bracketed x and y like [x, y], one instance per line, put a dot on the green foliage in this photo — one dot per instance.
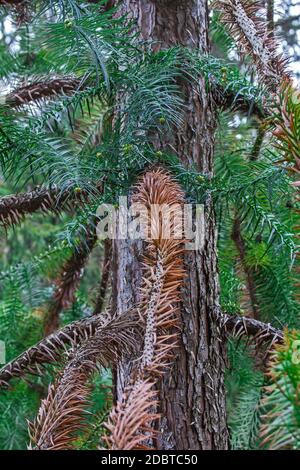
[281, 429]
[244, 391]
[102, 132]
[14, 407]
[101, 404]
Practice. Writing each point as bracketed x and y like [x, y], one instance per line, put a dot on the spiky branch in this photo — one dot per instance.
[285, 122]
[248, 26]
[41, 89]
[63, 411]
[14, 208]
[260, 333]
[105, 272]
[227, 99]
[163, 277]
[51, 349]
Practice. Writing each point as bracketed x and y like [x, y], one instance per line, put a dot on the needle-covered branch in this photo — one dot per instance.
[14, 208]
[62, 413]
[132, 420]
[51, 349]
[247, 23]
[106, 267]
[228, 99]
[41, 89]
[260, 333]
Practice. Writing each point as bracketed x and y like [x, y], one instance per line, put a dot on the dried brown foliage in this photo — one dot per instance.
[68, 280]
[246, 20]
[41, 89]
[131, 421]
[14, 208]
[62, 413]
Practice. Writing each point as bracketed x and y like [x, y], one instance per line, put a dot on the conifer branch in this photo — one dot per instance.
[131, 415]
[280, 404]
[51, 349]
[62, 413]
[40, 90]
[55, 427]
[227, 99]
[241, 247]
[19, 7]
[248, 26]
[14, 208]
[105, 277]
[270, 16]
[48, 350]
[261, 333]
[261, 133]
[285, 122]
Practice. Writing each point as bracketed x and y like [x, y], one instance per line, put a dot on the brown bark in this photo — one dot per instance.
[104, 279]
[192, 396]
[249, 274]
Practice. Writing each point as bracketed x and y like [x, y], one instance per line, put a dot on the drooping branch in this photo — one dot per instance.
[14, 208]
[248, 26]
[40, 90]
[50, 349]
[132, 414]
[62, 413]
[68, 280]
[69, 393]
[227, 99]
[260, 333]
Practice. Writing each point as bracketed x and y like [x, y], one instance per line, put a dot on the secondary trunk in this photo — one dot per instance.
[192, 395]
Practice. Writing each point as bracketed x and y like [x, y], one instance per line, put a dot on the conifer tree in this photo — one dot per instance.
[131, 98]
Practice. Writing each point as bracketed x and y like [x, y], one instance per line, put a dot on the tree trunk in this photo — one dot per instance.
[192, 396]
